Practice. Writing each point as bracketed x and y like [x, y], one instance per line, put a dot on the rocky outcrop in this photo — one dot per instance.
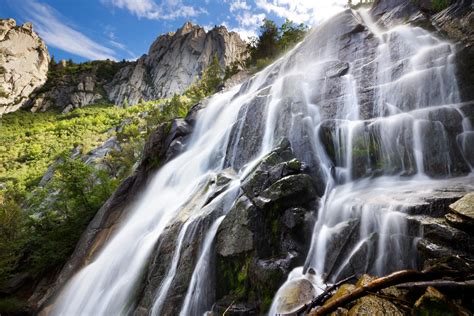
[265, 235]
[70, 86]
[173, 63]
[24, 61]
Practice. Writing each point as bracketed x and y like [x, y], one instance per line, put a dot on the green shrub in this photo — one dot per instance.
[57, 222]
[440, 5]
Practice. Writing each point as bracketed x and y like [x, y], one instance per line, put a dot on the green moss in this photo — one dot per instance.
[234, 276]
[275, 227]
[272, 159]
[266, 303]
[440, 5]
[294, 164]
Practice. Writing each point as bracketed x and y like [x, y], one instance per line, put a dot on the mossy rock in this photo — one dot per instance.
[374, 305]
[341, 291]
[433, 303]
[364, 280]
[340, 312]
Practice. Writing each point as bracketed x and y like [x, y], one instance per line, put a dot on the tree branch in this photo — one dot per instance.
[374, 286]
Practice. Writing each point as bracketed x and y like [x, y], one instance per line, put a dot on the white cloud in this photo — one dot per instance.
[239, 5]
[248, 23]
[302, 11]
[245, 34]
[248, 19]
[149, 9]
[56, 33]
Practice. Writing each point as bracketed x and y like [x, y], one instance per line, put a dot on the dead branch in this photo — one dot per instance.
[373, 286]
[447, 285]
[323, 297]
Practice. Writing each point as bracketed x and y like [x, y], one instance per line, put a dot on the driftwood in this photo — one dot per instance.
[374, 286]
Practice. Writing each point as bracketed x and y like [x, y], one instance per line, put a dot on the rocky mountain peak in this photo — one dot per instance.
[173, 63]
[186, 28]
[24, 61]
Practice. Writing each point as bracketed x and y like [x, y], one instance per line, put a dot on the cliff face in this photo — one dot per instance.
[24, 61]
[71, 86]
[173, 63]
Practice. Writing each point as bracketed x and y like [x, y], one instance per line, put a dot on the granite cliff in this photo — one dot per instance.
[174, 61]
[24, 61]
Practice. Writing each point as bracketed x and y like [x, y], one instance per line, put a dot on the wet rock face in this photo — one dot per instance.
[266, 233]
[374, 152]
[24, 61]
[173, 63]
[456, 22]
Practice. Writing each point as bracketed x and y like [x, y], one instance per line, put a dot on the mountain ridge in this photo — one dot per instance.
[173, 62]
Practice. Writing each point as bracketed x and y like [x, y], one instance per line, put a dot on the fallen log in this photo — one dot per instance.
[395, 278]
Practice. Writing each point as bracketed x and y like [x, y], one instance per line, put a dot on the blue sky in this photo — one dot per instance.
[124, 29]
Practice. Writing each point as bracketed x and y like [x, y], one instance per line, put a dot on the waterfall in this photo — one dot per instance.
[368, 111]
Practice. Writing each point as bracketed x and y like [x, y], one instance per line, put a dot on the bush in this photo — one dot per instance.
[440, 5]
[57, 222]
[42, 237]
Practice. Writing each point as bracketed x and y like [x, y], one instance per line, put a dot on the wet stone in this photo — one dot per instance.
[294, 295]
[464, 206]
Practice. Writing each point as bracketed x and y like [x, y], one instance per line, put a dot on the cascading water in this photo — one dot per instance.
[367, 115]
